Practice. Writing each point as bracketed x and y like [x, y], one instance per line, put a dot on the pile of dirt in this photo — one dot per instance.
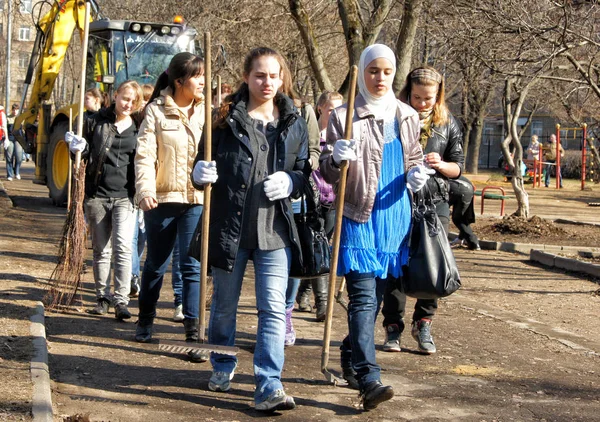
[534, 227]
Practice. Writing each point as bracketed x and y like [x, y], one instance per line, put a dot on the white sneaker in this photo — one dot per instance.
[178, 313]
[9, 179]
[18, 177]
[278, 400]
[457, 243]
[220, 381]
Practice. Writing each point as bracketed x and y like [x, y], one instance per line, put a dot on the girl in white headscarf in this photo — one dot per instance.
[384, 160]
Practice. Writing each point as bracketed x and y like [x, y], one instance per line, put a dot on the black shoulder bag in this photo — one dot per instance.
[316, 255]
[431, 271]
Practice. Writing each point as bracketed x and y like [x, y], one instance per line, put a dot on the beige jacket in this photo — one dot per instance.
[363, 174]
[167, 146]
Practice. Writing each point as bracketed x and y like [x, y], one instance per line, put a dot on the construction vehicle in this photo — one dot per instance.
[118, 50]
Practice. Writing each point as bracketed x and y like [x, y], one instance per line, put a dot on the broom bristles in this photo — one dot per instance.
[66, 277]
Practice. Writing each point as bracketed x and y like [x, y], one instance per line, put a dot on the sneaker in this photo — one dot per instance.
[220, 381]
[392, 338]
[290, 333]
[121, 312]
[178, 313]
[421, 331]
[456, 243]
[278, 400]
[10, 179]
[135, 286]
[143, 331]
[475, 247]
[101, 307]
[374, 394]
[18, 176]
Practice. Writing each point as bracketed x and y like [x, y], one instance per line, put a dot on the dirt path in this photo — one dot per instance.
[518, 342]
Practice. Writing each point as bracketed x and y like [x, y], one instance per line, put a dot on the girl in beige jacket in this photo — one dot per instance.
[167, 146]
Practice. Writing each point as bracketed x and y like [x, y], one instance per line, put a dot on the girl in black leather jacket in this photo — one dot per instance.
[441, 140]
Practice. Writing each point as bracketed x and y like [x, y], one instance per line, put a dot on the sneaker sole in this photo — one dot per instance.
[284, 405]
[218, 388]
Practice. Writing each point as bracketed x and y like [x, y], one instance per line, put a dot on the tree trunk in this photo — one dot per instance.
[511, 117]
[310, 43]
[353, 30]
[472, 159]
[406, 41]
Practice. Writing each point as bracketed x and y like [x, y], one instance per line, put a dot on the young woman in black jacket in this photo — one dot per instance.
[108, 145]
[260, 160]
[441, 140]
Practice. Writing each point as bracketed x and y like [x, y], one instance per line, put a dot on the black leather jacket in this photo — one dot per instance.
[232, 153]
[446, 140]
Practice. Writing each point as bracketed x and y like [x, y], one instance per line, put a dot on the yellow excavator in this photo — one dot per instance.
[118, 50]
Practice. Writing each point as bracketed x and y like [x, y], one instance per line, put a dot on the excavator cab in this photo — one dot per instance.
[118, 50]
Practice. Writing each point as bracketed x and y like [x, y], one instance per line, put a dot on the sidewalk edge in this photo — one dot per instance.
[40, 374]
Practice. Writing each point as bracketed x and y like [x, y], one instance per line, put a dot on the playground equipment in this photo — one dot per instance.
[587, 152]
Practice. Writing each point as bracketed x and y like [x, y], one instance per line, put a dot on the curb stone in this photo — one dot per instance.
[563, 263]
[40, 374]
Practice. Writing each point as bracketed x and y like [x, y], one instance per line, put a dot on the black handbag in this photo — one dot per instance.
[316, 254]
[431, 271]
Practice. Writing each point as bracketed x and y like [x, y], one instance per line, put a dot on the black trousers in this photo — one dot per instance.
[394, 301]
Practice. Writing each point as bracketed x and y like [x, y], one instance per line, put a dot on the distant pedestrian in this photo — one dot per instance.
[108, 145]
[550, 158]
[13, 151]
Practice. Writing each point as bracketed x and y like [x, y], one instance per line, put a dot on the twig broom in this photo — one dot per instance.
[66, 277]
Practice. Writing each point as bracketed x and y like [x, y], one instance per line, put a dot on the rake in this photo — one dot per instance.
[339, 210]
[201, 346]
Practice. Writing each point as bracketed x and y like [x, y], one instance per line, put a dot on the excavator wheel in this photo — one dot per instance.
[57, 165]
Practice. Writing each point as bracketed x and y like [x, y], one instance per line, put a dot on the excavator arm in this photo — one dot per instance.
[54, 33]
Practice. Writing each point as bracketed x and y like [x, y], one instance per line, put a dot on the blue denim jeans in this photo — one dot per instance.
[166, 224]
[271, 270]
[139, 243]
[14, 157]
[111, 225]
[552, 163]
[291, 292]
[176, 278]
[365, 292]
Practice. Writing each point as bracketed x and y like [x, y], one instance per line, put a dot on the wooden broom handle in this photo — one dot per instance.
[339, 210]
[207, 132]
[84, 48]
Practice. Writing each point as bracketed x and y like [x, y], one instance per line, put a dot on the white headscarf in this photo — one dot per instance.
[383, 107]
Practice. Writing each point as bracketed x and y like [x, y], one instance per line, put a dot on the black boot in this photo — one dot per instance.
[192, 336]
[303, 296]
[348, 372]
[320, 288]
[143, 331]
[375, 393]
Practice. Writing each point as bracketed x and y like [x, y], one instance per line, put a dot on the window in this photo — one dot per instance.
[24, 33]
[25, 6]
[488, 133]
[20, 85]
[1, 28]
[23, 59]
[537, 127]
[1, 5]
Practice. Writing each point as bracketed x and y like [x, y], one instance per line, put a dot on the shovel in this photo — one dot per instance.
[201, 346]
[339, 210]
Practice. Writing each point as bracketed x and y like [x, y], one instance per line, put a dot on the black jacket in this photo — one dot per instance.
[446, 140]
[232, 153]
[99, 131]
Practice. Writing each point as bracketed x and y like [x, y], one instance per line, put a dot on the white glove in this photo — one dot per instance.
[278, 186]
[344, 149]
[6, 143]
[417, 177]
[205, 172]
[76, 143]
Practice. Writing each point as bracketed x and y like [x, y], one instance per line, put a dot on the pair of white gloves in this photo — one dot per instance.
[345, 149]
[277, 185]
[76, 143]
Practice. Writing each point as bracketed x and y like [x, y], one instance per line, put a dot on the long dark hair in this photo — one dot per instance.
[183, 66]
[242, 91]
